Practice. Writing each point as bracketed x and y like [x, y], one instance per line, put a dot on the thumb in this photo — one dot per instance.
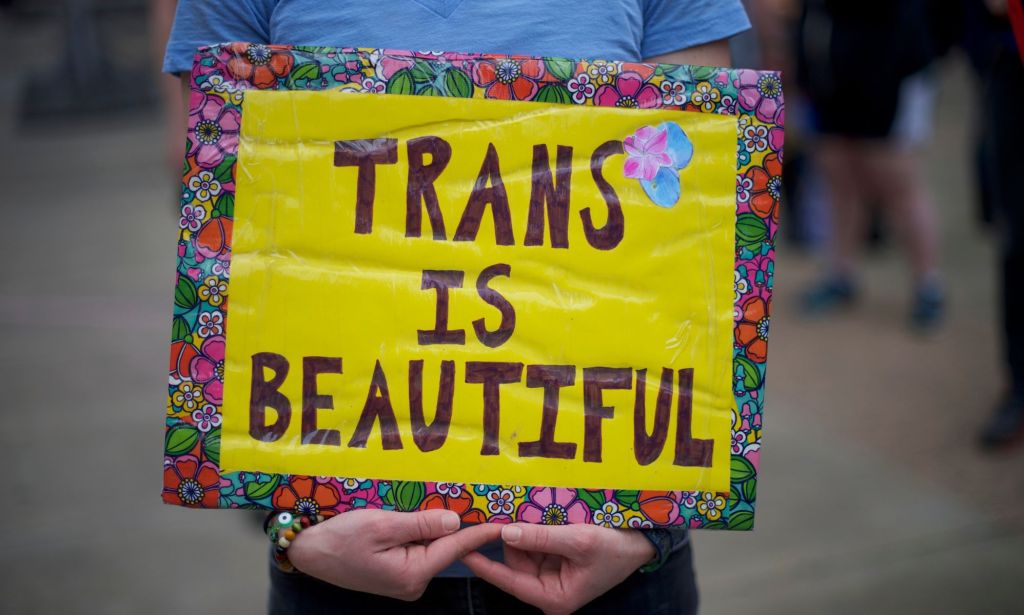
[406, 527]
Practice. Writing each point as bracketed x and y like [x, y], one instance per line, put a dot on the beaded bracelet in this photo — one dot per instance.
[282, 529]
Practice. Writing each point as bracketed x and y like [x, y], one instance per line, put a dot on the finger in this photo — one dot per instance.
[440, 553]
[399, 528]
[522, 560]
[570, 541]
[551, 564]
[524, 586]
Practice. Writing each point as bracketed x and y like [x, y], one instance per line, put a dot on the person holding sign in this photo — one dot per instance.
[363, 560]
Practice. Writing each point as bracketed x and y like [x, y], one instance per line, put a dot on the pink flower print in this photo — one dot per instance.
[629, 91]
[739, 438]
[727, 106]
[389, 65]
[762, 94]
[743, 187]
[373, 86]
[775, 135]
[451, 489]
[206, 418]
[552, 506]
[581, 88]
[207, 369]
[213, 131]
[192, 217]
[645, 153]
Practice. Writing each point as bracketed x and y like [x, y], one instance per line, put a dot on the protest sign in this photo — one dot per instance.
[518, 288]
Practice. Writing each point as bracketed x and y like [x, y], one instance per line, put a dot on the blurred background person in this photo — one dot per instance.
[990, 45]
[864, 69]
[175, 115]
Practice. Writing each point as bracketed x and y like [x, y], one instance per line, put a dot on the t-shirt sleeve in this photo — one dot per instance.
[671, 25]
[208, 22]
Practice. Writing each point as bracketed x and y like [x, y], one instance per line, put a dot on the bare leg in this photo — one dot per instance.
[894, 173]
[837, 159]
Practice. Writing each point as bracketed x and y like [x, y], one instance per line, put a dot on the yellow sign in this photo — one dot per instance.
[474, 291]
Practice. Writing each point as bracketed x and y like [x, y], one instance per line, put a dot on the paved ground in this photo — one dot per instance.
[872, 495]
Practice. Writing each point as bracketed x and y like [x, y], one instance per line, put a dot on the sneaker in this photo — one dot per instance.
[928, 309]
[829, 295]
[1006, 426]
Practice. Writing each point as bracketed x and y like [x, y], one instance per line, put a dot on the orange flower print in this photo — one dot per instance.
[767, 189]
[659, 507]
[187, 482]
[259, 64]
[461, 503]
[752, 329]
[304, 496]
[508, 78]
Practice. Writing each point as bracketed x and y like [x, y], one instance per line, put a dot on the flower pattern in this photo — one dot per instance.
[602, 72]
[305, 496]
[766, 188]
[609, 515]
[187, 396]
[220, 77]
[258, 64]
[204, 186]
[213, 131]
[629, 90]
[461, 503]
[673, 92]
[645, 153]
[551, 506]
[189, 482]
[710, 505]
[501, 501]
[509, 78]
[761, 93]
[581, 88]
[705, 96]
[740, 285]
[213, 291]
[755, 138]
[752, 330]
[191, 217]
[207, 368]
[206, 418]
[210, 323]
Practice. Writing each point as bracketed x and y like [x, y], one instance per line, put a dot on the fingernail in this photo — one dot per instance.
[451, 522]
[511, 533]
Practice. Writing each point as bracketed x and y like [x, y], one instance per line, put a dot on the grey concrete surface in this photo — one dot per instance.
[873, 497]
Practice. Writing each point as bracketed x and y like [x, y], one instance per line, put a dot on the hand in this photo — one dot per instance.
[558, 569]
[380, 552]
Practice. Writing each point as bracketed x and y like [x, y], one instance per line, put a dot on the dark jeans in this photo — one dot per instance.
[671, 589]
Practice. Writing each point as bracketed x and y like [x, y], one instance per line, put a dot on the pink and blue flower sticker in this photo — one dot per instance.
[655, 155]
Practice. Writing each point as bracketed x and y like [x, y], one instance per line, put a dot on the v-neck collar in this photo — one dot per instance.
[443, 8]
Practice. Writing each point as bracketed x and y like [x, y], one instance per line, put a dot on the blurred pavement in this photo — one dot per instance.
[873, 496]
